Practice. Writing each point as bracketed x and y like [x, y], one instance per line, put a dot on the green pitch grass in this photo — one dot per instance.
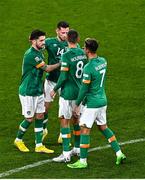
[119, 27]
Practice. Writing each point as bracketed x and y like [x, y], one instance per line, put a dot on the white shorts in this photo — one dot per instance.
[32, 105]
[48, 87]
[66, 107]
[91, 115]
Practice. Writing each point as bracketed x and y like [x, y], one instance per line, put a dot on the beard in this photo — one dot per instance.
[40, 47]
[62, 39]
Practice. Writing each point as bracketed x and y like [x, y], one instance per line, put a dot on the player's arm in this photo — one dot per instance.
[47, 68]
[84, 87]
[82, 94]
[63, 76]
[61, 80]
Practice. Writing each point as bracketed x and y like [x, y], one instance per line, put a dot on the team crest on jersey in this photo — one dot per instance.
[28, 112]
[55, 45]
[37, 59]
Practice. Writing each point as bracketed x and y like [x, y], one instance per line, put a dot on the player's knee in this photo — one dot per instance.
[64, 122]
[40, 116]
[85, 129]
[29, 119]
[102, 127]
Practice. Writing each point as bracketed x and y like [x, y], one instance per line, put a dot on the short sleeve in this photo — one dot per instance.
[64, 63]
[86, 75]
[37, 61]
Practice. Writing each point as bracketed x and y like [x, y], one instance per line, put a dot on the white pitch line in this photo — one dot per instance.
[39, 163]
[121, 144]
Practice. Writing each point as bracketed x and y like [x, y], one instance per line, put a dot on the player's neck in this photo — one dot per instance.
[72, 45]
[59, 39]
[35, 48]
[91, 56]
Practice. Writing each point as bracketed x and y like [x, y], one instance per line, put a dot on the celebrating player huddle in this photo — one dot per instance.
[79, 76]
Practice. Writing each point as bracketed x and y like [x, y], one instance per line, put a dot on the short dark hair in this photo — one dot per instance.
[35, 34]
[72, 36]
[62, 24]
[91, 44]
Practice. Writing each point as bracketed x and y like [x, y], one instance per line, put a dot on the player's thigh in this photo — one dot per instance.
[88, 117]
[39, 104]
[101, 116]
[48, 87]
[28, 106]
[65, 108]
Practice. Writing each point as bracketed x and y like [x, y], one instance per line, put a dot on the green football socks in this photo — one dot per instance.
[66, 135]
[76, 134]
[84, 145]
[23, 128]
[112, 139]
[38, 131]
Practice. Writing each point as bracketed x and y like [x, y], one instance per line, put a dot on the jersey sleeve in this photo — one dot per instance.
[63, 72]
[64, 64]
[85, 85]
[86, 76]
[37, 61]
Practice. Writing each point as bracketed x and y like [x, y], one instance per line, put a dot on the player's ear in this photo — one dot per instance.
[30, 39]
[78, 39]
[57, 31]
[33, 41]
[86, 50]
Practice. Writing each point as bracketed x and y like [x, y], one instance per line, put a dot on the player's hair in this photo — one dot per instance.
[62, 24]
[72, 36]
[91, 44]
[35, 34]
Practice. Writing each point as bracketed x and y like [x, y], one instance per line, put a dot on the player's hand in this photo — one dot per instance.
[76, 111]
[52, 93]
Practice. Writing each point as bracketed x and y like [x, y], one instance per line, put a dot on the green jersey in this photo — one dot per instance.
[55, 49]
[31, 82]
[70, 77]
[92, 90]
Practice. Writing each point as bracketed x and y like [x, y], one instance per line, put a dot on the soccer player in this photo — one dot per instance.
[93, 91]
[72, 63]
[31, 92]
[55, 47]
